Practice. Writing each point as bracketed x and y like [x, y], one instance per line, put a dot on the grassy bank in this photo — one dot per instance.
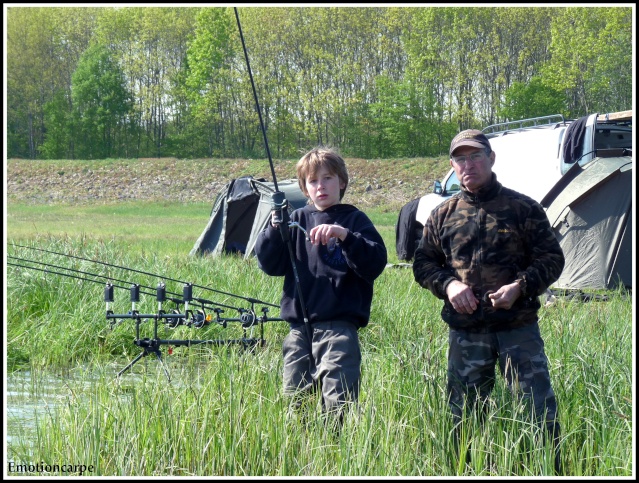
[170, 227]
[380, 184]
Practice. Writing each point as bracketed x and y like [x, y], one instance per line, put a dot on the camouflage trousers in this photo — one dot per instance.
[472, 359]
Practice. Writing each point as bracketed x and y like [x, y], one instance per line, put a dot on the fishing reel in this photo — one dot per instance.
[279, 207]
[248, 318]
[200, 319]
[196, 319]
[219, 319]
[176, 321]
[172, 319]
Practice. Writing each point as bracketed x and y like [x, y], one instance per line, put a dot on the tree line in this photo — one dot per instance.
[100, 82]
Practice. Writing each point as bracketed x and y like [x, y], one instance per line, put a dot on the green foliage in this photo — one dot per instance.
[101, 104]
[374, 81]
[58, 119]
[586, 62]
[401, 120]
[210, 49]
[43, 47]
[533, 99]
[209, 56]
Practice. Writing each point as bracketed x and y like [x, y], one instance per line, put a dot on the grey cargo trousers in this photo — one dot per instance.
[334, 368]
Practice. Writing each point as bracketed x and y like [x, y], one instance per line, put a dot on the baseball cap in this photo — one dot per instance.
[469, 137]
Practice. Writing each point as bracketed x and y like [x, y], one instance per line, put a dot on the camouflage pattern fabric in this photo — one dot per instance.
[472, 359]
[487, 241]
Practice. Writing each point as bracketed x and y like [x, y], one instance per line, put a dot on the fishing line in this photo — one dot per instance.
[109, 279]
[248, 299]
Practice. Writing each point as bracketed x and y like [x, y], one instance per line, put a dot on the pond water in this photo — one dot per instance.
[37, 398]
[35, 394]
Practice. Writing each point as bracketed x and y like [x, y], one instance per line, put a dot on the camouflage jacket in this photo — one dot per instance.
[486, 241]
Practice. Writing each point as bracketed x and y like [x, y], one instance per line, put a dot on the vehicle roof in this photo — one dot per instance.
[544, 122]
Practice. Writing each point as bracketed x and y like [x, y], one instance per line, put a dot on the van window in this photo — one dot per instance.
[611, 137]
[452, 184]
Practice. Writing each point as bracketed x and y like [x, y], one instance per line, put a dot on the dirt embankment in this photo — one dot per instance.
[384, 184]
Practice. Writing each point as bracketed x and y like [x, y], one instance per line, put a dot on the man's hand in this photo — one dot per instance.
[505, 297]
[462, 297]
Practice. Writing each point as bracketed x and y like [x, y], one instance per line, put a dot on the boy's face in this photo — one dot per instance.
[323, 188]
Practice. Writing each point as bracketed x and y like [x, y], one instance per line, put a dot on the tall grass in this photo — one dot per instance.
[223, 414]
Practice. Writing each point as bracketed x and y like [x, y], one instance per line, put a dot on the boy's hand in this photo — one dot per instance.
[276, 218]
[323, 233]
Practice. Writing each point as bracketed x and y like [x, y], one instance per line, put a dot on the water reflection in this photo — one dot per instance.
[33, 395]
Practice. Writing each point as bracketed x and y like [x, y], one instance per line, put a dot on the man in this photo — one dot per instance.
[489, 252]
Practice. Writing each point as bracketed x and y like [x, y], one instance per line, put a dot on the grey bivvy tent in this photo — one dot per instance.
[590, 210]
[241, 210]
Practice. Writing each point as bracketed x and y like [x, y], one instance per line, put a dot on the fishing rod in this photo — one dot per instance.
[257, 104]
[248, 299]
[280, 216]
[196, 319]
[177, 301]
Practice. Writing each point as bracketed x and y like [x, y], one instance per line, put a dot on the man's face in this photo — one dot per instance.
[473, 167]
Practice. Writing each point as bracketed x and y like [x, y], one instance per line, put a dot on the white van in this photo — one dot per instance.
[532, 154]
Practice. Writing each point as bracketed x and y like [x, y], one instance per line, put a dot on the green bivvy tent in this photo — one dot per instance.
[241, 210]
[590, 210]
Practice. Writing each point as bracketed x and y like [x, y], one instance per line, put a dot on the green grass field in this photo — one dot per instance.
[223, 414]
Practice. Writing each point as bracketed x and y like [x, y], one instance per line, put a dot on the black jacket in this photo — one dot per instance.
[337, 278]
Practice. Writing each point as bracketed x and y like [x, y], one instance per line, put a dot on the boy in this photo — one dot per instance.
[338, 255]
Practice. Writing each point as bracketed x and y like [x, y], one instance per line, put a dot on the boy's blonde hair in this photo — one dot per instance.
[312, 161]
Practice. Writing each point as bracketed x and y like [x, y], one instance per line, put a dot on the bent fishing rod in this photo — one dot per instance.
[278, 200]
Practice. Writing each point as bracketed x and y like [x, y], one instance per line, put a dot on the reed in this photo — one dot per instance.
[223, 413]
